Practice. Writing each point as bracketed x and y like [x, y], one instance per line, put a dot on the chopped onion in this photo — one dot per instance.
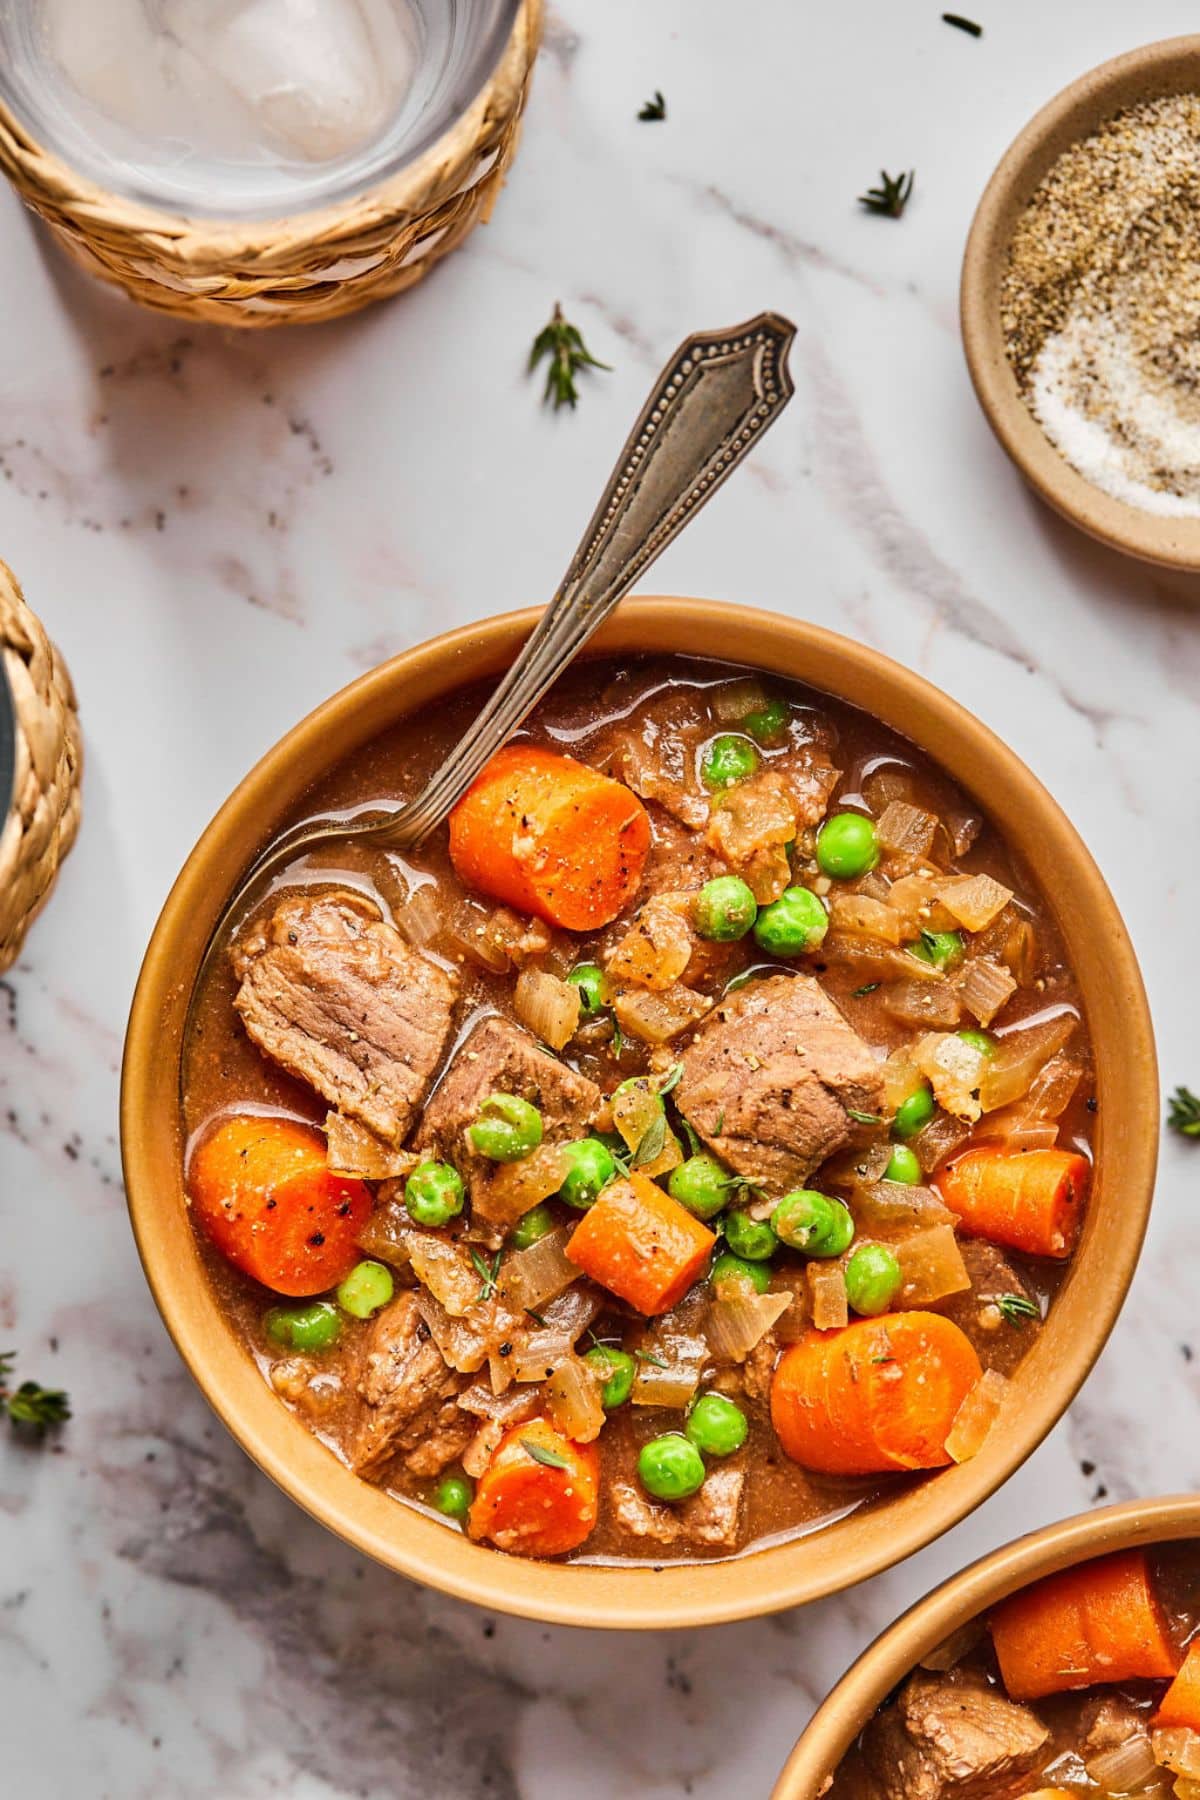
[638, 1116]
[350, 1149]
[388, 1235]
[914, 897]
[931, 1265]
[1053, 1087]
[985, 988]
[900, 1079]
[923, 1003]
[1020, 952]
[955, 1070]
[906, 832]
[420, 916]
[870, 918]
[951, 1650]
[882, 786]
[854, 1169]
[1008, 1074]
[1128, 1768]
[548, 1006]
[655, 950]
[464, 1346]
[752, 816]
[1178, 1749]
[482, 1447]
[573, 1401]
[536, 1355]
[733, 1327]
[791, 1325]
[974, 900]
[734, 699]
[655, 1018]
[767, 873]
[483, 1403]
[529, 1278]
[975, 1417]
[1018, 1131]
[507, 1194]
[574, 1310]
[886, 1208]
[669, 1369]
[827, 1292]
[938, 1140]
[446, 1269]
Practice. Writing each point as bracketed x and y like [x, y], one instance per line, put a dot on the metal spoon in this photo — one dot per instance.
[712, 402]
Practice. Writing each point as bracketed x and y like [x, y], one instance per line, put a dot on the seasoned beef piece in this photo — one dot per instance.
[952, 1737]
[1106, 1721]
[759, 1367]
[501, 1058]
[410, 1397]
[992, 1274]
[768, 1080]
[334, 994]
[711, 1517]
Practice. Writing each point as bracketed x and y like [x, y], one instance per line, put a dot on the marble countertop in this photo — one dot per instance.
[221, 528]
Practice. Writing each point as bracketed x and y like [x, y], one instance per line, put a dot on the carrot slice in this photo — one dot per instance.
[1181, 1702]
[264, 1194]
[641, 1245]
[550, 836]
[880, 1394]
[539, 1495]
[1100, 1622]
[1030, 1200]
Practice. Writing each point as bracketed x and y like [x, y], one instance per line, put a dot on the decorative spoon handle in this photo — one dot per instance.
[715, 398]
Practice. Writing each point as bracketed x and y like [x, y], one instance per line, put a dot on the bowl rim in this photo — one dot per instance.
[1132, 1524]
[782, 1573]
[1169, 65]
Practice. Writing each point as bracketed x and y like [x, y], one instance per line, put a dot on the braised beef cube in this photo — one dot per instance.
[710, 1519]
[952, 1737]
[770, 1081]
[409, 1397]
[331, 992]
[1000, 1339]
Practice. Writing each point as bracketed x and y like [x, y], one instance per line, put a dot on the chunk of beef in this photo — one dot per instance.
[333, 993]
[952, 1737]
[410, 1397]
[770, 1080]
[1109, 1720]
[711, 1518]
[1000, 1342]
[501, 1058]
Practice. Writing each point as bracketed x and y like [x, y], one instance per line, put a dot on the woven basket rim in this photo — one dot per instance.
[407, 191]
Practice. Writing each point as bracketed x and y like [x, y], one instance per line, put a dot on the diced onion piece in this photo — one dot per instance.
[511, 1189]
[914, 898]
[1016, 1130]
[767, 872]
[951, 1650]
[854, 1169]
[901, 1078]
[638, 1116]
[922, 1003]
[827, 1293]
[388, 1235]
[529, 1278]
[655, 1018]
[955, 1070]
[655, 950]
[985, 988]
[574, 1310]
[734, 699]
[464, 1344]
[752, 816]
[1020, 952]
[882, 786]
[482, 1447]
[892, 1208]
[538, 1354]
[1053, 1087]
[481, 1402]
[975, 1418]
[446, 1269]
[931, 1266]
[573, 1401]
[906, 832]
[350, 1149]
[1178, 1749]
[1126, 1769]
[548, 1006]
[791, 1325]
[974, 900]
[420, 917]
[734, 1327]
[669, 1368]
[869, 918]
[1009, 1072]
[938, 1141]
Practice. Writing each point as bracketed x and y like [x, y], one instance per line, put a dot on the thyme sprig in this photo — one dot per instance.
[488, 1273]
[1014, 1309]
[654, 109]
[550, 1459]
[892, 195]
[1183, 1113]
[563, 344]
[31, 1404]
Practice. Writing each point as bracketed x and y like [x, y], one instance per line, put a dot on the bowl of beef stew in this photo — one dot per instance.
[1065, 1665]
[692, 1162]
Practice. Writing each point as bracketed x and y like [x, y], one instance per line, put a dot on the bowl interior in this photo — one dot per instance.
[786, 1573]
[872, 1678]
[1171, 66]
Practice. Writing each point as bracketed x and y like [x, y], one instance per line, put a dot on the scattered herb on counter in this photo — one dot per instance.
[563, 344]
[31, 1404]
[1015, 1308]
[892, 195]
[961, 24]
[654, 109]
[1183, 1113]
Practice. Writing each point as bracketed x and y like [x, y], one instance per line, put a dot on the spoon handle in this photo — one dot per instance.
[712, 402]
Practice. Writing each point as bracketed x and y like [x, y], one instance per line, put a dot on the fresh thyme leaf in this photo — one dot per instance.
[654, 109]
[719, 1124]
[863, 1118]
[1183, 1113]
[670, 1079]
[868, 987]
[537, 1317]
[694, 1145]
[547, 1051]
[961, 24]
[549, 1458]
[562, 343]
[891, 197]
[40, 1407]
[618, 1040]
[7, 1359]
[884, 1356]
[652, 1142]
[1015, 1308]
[487, 1273]
[739, 981]
[648, 1356]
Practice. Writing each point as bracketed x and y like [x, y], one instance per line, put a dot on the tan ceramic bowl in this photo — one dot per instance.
[788, 1573]
[839, 1720]
[1169, 67]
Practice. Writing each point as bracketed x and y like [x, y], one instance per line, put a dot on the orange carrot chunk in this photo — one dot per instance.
[879, 1394]
[550, 836]
[1100, 1622]
[1181, 1702]
[264, 1194]
[539, 1494]
[1030, 1200]
[641, 1245]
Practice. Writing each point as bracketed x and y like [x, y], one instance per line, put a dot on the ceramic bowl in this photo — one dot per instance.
[1169, 67]
[890, 1658]
[787, 1573]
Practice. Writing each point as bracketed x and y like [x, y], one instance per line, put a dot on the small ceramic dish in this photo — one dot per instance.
[783, 1573]
[879, 1670]
[1169, 67]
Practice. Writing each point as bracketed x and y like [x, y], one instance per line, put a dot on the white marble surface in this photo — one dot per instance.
[220, 529]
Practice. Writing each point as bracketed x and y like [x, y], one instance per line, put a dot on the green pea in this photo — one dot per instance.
[983, 1041]
[728, 1267]
[766, 723]
[453, 1496]
[669, 1467]
[846, 846]
[616, 1369]
[941, 948]
[716, 1426]
[700, 1184]
[728, 760]
[903, 1166]
[794, 923]
[751, 1239]
[592, 983]
[433, 1194]
[873, 1279]
[313, 1327]
[366, 1288]
[507, 1128]
[914, 1112]
[592, 1167]
[725, 909]
[812, 1222]
[531, 1226]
